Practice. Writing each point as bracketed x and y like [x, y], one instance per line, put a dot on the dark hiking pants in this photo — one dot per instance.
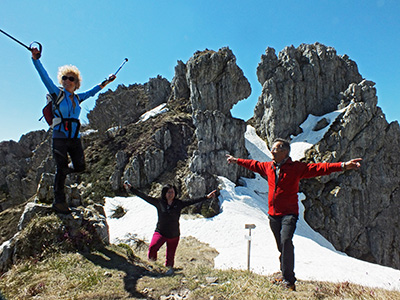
[283, 228]
[61, 149]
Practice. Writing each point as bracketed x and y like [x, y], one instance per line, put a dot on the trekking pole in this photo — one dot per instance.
[108, 79]
[125, 60]
[22, 44]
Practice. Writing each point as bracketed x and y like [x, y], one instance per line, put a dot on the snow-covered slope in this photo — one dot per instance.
[316, 259]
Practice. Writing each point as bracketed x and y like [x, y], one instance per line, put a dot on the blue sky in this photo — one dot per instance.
[96, 36]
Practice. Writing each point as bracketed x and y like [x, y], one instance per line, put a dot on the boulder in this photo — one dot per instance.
[41, 231]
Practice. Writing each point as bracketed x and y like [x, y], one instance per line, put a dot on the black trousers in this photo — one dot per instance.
[283, 228]
[61, 149]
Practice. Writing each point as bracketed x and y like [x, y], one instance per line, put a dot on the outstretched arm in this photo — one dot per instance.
[148, 199]
[96, 89]
[107, 81]
[213, 194]
[352, 164]
[230, 159]
[51, 87]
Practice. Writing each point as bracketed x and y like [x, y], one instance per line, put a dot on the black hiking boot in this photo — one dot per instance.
[277, 278]
[288, 285]
[61, 208]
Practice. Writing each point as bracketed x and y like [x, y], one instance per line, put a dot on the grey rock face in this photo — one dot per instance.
[216, 83]
[357, 211]
[300, 81]
[157, 152]
[127, 104]
[208, 85]
[44, 192]
[21, 164]
[179, 85]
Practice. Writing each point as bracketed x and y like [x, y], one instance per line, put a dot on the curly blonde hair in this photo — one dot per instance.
[64, 70]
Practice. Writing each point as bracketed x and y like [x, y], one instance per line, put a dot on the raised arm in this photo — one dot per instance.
[194, 201]
[107, 81]
[96, 89]
[51, 87]
[251, 164]
[147, 198]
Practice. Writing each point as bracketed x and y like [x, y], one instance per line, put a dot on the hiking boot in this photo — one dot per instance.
[61, 208]
[169, 272]
[277, 278]
[289, 286]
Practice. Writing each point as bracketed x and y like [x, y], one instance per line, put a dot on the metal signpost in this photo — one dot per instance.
[248, 237]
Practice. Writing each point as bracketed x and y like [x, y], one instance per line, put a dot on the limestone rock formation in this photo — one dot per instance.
[154, 152]
[207, 86]
[300, 81]
[215, 83]
[21, 165]
[358, 210]
[127, 104]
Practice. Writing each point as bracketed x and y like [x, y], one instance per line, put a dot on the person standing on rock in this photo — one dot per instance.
[167, 230]
[283, 177]
[66, 136]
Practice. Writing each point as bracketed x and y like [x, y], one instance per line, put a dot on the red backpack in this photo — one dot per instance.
[53, 102]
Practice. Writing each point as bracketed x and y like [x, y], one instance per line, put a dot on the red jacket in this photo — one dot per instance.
[282, 198]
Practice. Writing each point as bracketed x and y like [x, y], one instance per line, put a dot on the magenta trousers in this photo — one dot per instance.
[157, 241]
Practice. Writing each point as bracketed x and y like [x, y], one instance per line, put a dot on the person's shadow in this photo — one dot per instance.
[116, 261]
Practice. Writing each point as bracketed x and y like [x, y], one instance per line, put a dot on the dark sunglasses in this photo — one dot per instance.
[278, 147]
[70, 78]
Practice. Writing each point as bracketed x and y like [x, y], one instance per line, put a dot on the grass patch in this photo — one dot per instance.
[122, 272]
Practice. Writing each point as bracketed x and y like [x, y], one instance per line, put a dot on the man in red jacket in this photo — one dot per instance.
[283, 177]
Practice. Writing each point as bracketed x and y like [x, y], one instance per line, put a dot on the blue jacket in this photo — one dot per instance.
[66, 108]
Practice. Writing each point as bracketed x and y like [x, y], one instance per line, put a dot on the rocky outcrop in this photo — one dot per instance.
[300, 81]
[154, 153]
[127, 104]
[192, 145]
[41, 231]
[44, 193]
[215, 83]
[357, 211]
[21, 164]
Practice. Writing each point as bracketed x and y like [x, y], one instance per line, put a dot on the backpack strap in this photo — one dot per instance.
[66, 122]
[56, 104]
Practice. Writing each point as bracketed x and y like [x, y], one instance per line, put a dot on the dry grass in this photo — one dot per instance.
[122, 272]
